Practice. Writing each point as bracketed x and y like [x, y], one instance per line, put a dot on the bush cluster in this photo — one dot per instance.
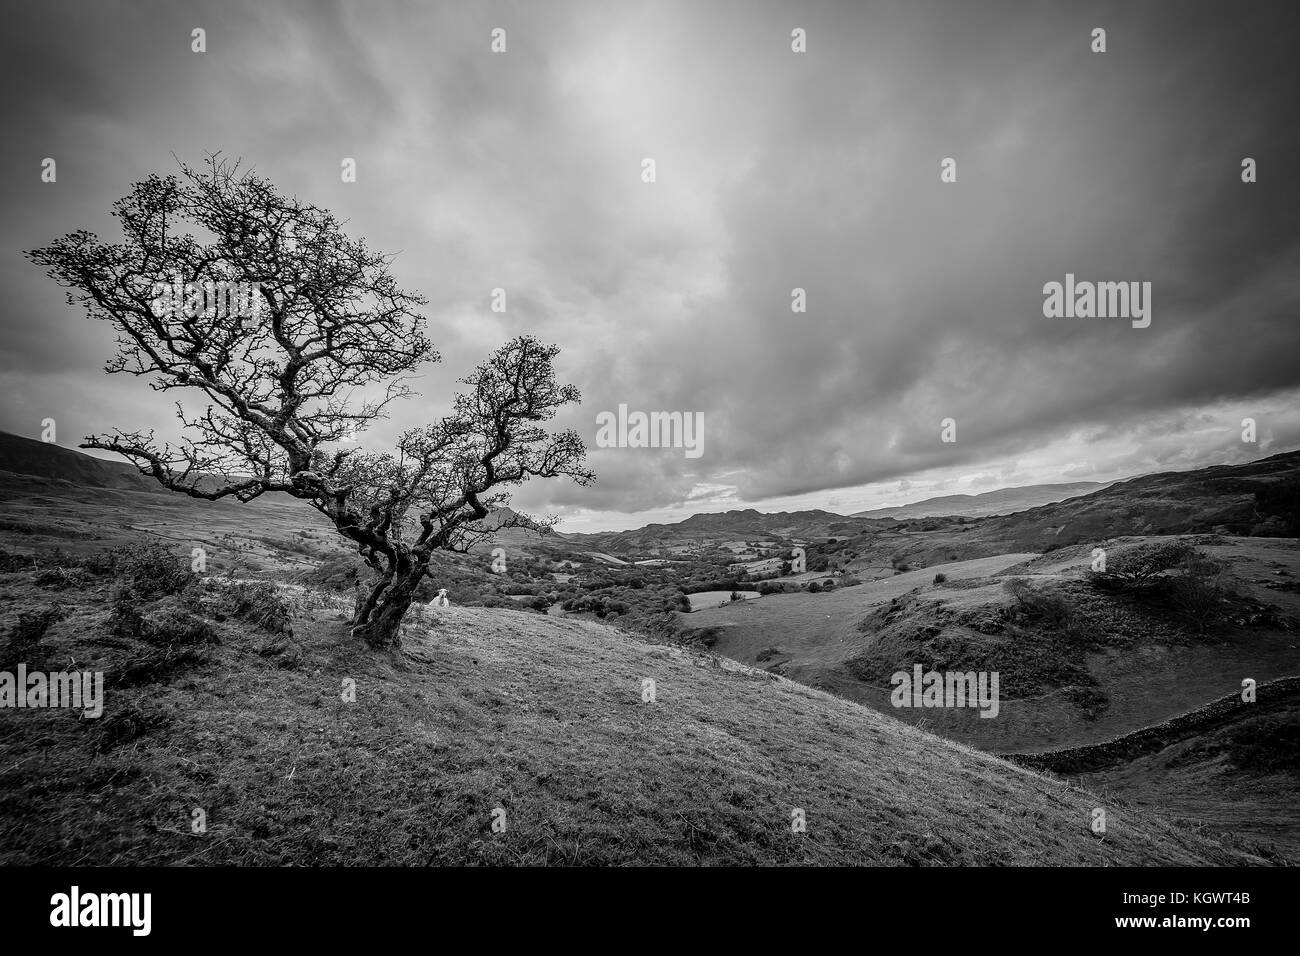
[259, 602]
[1140, 568]
[1038, 605]
[1194, 584]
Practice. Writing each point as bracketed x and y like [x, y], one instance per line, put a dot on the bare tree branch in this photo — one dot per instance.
[317, 317]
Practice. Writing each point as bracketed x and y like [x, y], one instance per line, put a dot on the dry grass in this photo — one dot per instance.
[541, 717]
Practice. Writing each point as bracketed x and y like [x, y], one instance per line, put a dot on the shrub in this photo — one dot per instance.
[1199, 592]
[1037, 605]
[940, 578]
[1193, 583]
[1140, 568]
[258, 602]
[155, 665]
[152, 571]
[337, 572]
[1280, 500]
[173, 626]
[125, 619]
[100, 562]
[1091, 700]
[60, 577]
[814, 588]
[700, 638]
[1269, 744]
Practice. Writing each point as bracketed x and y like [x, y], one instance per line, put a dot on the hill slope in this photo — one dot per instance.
[1123, 664]
[1222, 498]
[26, 456]
[1000, 502]
[489, 709]
[748, 523]
[1258, 499]
[1229, 765]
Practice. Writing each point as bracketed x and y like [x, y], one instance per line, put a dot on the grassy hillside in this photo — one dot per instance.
[1256, 499]
[1260, 498]
[217, 703]
[1113, 665]
[1241, 775]
[214, 706]
[1001, 502]
[28, 456]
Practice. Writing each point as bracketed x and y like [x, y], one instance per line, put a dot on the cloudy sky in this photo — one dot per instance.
[774, 170]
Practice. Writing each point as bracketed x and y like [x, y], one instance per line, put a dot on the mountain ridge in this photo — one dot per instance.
[988, 503]
[29, 456]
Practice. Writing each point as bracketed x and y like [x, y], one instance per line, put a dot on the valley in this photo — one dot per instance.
[1080, 664]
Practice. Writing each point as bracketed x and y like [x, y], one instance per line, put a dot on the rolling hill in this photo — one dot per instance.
[26, 456]
[60, 497]
[1257, 498]
[723, 525]
[1232, 765]
[1000, 502]
[1222, 498]
[540, 726]
[484, 709]
[1125, 666]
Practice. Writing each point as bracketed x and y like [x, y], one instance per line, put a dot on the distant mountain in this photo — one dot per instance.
[27, 456]
[1255, 498]
[758, 522]
[517, 540]
[814, 525]
[1258, 497]
[39, 459]
[1004, 501]
[738, 525]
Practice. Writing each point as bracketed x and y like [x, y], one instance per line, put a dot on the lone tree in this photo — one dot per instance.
[324, 342]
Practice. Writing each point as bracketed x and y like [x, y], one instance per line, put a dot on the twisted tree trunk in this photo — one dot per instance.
[379, 617]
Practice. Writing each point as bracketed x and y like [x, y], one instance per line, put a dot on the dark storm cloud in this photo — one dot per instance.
[925, 299]
[775, 170]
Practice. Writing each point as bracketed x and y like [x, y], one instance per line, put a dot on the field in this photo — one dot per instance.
[711, 599]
